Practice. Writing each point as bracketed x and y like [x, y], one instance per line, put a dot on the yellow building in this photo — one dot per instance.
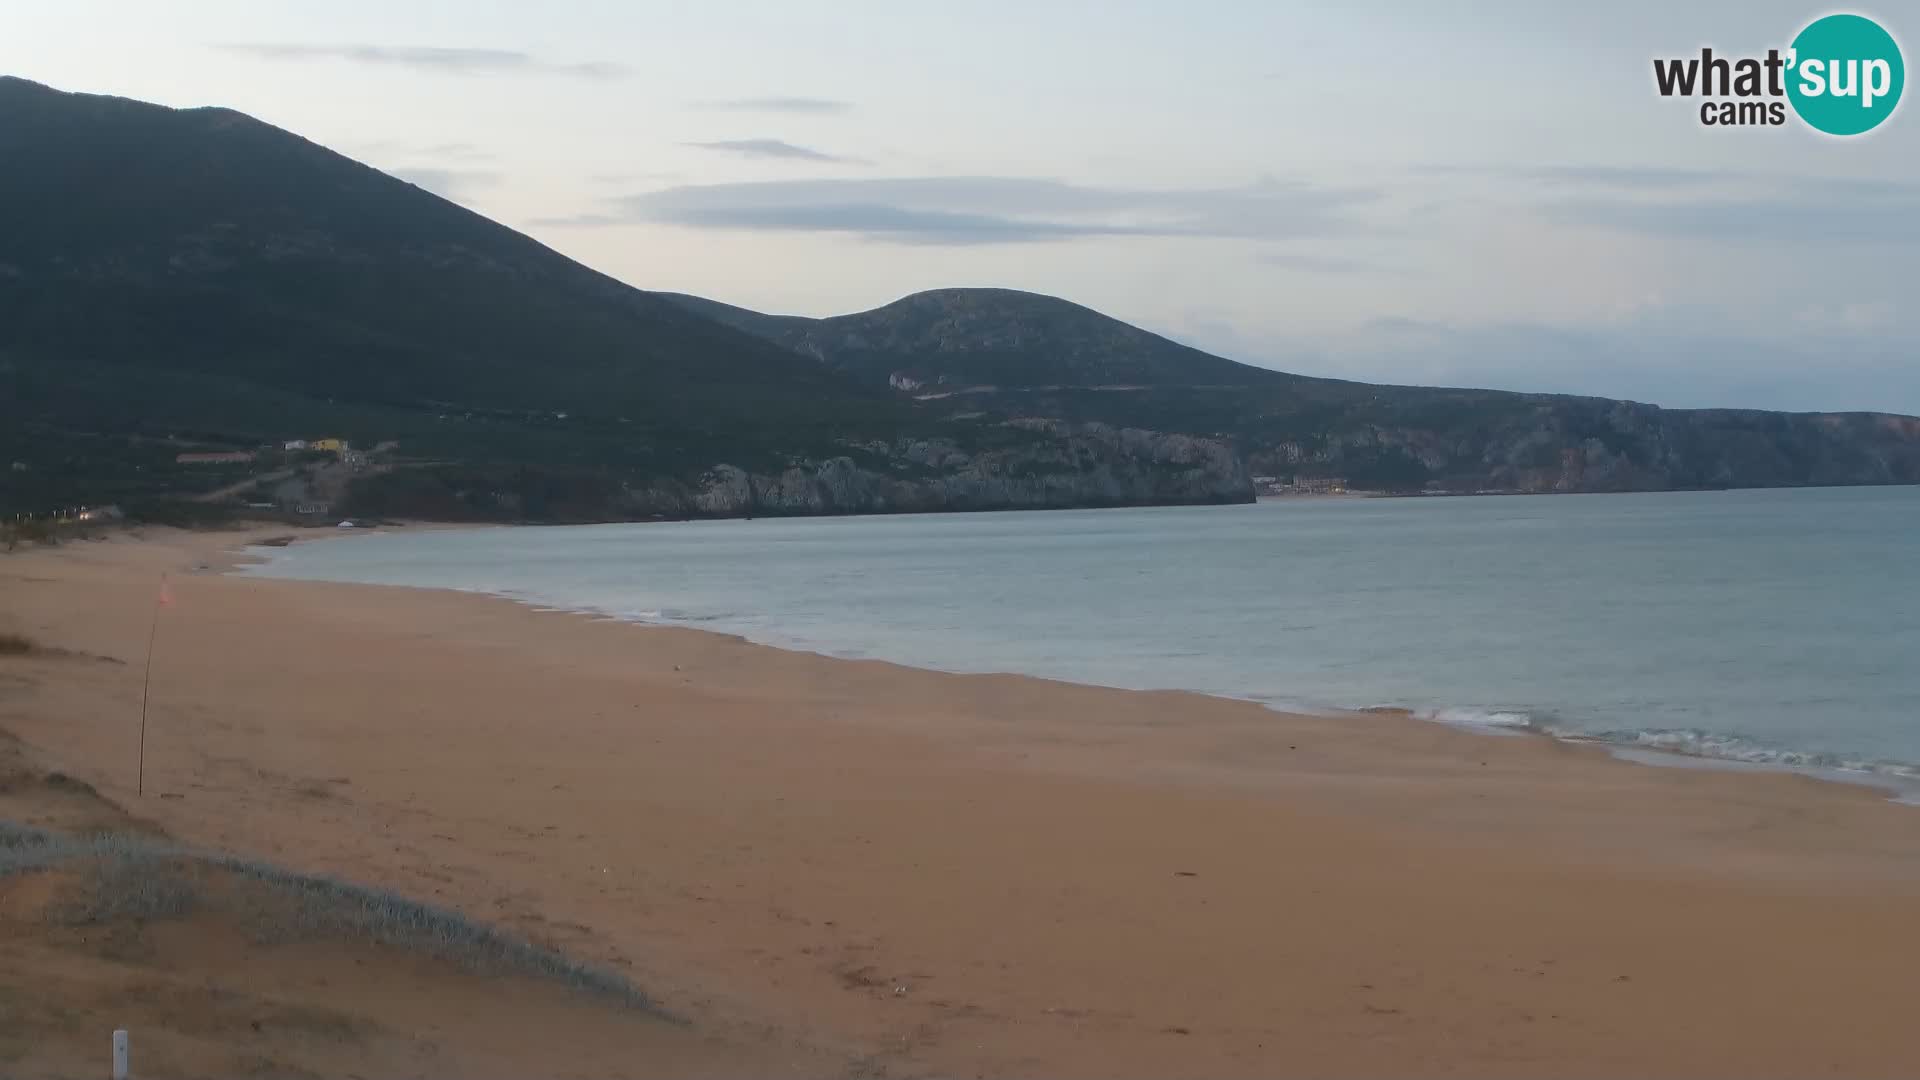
[332, 446]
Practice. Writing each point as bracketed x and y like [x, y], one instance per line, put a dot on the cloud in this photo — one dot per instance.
[637, 177]
[447, 183]
[962, 210]
[1717, 183]
[775, 148]
[451, 61]
[1322, 264]
[1636, 177]
[811, 105]
[1776, 220]
[901, 224]
[1630, 177]
[1401, 325]
[1659, 178]
[440, 151]
[1864, 318]
[1780, 210]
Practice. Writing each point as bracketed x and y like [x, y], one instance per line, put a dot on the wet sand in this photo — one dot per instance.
[855, 867]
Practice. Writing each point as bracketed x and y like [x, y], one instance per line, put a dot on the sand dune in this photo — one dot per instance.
[851, 867]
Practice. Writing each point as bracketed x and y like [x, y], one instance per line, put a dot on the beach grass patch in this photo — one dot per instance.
[123, 877]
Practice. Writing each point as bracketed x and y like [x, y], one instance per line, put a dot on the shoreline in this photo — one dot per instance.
[1898, 780]
[909, 872]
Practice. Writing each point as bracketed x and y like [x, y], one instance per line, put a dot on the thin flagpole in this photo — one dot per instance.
[146, 683]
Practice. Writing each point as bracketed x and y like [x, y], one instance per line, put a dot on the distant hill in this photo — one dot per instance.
[196, 278]
[1002, 337]
[1006, 353]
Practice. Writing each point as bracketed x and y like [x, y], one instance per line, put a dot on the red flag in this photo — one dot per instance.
[166, 593]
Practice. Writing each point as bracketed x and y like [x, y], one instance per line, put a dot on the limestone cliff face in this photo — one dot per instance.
[1014, 465]
[1588, 444]
[1074, 465]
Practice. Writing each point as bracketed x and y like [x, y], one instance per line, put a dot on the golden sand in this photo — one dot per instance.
[845, 865]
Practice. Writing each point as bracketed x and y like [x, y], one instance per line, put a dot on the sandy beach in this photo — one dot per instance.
[832, 867]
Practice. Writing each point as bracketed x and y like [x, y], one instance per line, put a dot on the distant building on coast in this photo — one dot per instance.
[331, 446]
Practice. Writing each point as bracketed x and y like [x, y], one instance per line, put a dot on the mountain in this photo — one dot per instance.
[1002, 353]
[205, 241]
[189, 279]
[1002, 337]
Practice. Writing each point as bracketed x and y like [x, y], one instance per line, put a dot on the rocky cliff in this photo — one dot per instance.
[1088, 465]
[1586, 444]
[1042, 464]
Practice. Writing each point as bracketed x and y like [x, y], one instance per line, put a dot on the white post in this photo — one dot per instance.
[120, 1055]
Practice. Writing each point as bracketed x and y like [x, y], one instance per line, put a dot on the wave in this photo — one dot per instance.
[1720, 746]
[1714, 746]
[1493, 719]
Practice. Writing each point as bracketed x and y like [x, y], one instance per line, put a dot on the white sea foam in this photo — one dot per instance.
[1735, 748]
[1492, 721]
[1698, 749]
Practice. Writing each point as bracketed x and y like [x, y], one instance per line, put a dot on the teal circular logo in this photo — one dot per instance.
[1845, 75]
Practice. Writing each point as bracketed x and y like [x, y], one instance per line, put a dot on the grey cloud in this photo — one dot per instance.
[774, 148]
[1632, 177]
[577, 221]
[777, 105]
[1781, 210]
[986, 209]
[891, 222]
[1778, 220]
[1713, 183]
[1657, 179]
[440, 151]
[447, 183]
[455, 151]
[641, 177]
[452, 61]
[1402, 325]
[1852, 187]
[1323, 264]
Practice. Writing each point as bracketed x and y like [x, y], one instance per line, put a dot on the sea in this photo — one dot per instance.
[1763, 628]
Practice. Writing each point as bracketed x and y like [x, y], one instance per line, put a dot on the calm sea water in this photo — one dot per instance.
[1766, 626]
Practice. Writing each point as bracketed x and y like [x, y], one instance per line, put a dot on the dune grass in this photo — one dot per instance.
[15, 644]
[130, 877]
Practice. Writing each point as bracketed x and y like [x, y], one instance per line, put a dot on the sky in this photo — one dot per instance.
[1482, 194]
